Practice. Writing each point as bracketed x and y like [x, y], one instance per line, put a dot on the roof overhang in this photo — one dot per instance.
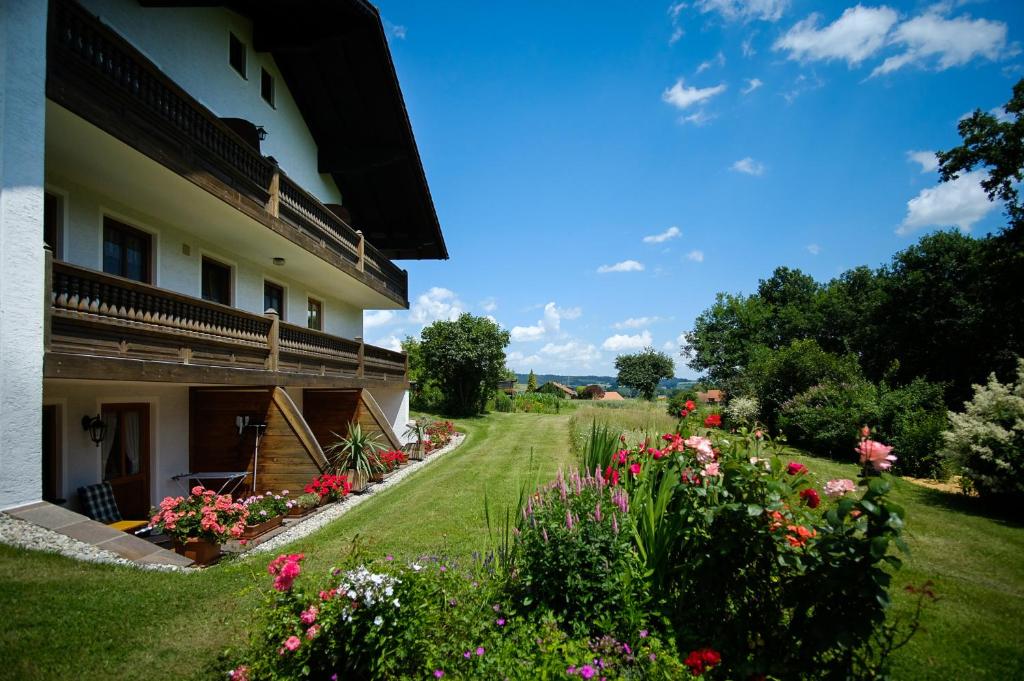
[335, 59]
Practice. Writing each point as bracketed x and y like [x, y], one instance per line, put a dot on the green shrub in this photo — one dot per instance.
[575, 556]
[986, 441]
[677, 401]
[912, 419]
[503, 403]
[827, 418]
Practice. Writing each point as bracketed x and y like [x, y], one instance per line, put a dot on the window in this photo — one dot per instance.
[216, 282]
[315, 315]
[267, 87]
[53, 222]
[273, 298]
[127, 252]
[236, 54]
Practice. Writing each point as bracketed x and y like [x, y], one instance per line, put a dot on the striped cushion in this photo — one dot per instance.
[98, 501]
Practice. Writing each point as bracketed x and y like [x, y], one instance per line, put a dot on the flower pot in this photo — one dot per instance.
[416, 452]
[199, 550]
[300, 512]
[377, 477]
[358, 480]
[253, 531]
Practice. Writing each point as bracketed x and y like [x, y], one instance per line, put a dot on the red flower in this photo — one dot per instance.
[683, 413]
[612, 476]
[702, 660]
[713, 420]
[795, 468]
[635, 469]
[690, 406]
[810, 495]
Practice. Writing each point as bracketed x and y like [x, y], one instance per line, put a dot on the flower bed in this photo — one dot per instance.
[439, 434]
[329, 487]
[200, 521]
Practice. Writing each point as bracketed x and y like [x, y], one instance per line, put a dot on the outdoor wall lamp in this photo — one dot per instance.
[261, 132]
[96, 428]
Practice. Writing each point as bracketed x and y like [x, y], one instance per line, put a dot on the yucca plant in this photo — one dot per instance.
[358, 452]
[599, 447]
[416, 429]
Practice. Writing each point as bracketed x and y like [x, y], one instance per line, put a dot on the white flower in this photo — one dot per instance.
[351, 594]
[397, 604]
[378, 620]
[417, 567]
[389, 592]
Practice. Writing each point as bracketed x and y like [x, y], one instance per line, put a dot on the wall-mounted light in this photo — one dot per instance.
[261, 132]
[96, 428]
[279, 262]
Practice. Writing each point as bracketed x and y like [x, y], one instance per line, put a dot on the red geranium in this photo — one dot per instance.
[690, 406]
[327, 485]
[699, 661]
[713, 420]
[810, 495]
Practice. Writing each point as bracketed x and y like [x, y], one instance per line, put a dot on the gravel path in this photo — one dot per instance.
[24, 535]
[335, 511]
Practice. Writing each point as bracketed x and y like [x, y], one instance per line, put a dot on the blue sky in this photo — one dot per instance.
[601, 170]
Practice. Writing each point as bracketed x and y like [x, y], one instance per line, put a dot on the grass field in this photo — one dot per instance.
[65, 619]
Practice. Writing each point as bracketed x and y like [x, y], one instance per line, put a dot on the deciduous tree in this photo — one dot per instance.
[641, 371]
[467, 359]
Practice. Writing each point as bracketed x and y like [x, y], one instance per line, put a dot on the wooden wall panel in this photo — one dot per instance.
[284, 462]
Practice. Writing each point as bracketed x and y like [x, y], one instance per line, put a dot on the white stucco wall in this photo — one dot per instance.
[395, 405]
[84, 210]
[191, 46]
[168, 423]
[22, 101]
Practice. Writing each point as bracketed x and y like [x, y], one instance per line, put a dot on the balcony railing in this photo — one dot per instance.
[101, 77]
[98, 314]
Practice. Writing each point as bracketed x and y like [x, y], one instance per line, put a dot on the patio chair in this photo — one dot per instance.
[100, 505]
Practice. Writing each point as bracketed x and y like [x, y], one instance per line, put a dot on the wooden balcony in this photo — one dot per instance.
[97, 75]
[105, 327]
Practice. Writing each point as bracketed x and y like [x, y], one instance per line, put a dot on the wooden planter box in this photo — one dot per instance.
[300, 512]
[199, 551]
[253, 531]
[416, 452]
[359, 482]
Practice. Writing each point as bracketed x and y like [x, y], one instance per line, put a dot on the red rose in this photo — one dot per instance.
[810, 495]
[690, 406]
[713, 421]
[683, 413]
[795, 468]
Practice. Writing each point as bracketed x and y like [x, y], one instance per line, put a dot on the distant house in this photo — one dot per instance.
[711, 397]
[507, 387]
[610, 396]
[556, 388]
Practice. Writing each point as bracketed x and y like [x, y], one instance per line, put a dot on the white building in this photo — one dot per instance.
[190, 168]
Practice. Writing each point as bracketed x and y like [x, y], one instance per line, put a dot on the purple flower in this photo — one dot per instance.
[466, 654]
[500, 621]
[480, 650]
[570, 670]
[643, 633]
[587, 672]
[389, 557]
[438, 673]
[496, 607]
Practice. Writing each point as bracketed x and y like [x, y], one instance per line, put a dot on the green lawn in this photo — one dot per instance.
[67, 619]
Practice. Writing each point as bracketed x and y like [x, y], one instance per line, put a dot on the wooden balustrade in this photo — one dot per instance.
[98, 75]
[97, 314]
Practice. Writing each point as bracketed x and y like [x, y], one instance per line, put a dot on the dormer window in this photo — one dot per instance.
[236, 54]
[267, 87]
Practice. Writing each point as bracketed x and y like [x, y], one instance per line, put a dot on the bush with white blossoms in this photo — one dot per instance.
[743, 410]
[985, 443]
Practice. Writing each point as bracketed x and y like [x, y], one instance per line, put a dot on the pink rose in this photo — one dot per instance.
[876, 454]
[293, 643]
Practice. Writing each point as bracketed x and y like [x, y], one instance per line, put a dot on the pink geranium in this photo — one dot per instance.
[876, 454]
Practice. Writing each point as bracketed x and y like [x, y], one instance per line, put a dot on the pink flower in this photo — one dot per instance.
[705, 452]
[634, 469]
[308, 616]
[438, 673]
[480, 650]
[312, 632]
[240, 673]
[876, 454]
[587, 672]
[711, 469]
[292, 643]
[795, 468]
[839, 486]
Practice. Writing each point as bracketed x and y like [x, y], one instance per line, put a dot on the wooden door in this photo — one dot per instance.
[51, 455]
[125, 457]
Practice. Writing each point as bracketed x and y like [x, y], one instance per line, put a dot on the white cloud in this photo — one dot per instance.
[683, 97]
[676, 345]
[574, 350]
[622, 341]
[813, 249]
[670, 233]
[377, 318]
[549, 325]
[718, 60]
[488, 304]
[766, 10]
[391, 342]
[752, 84]
[932, 38]
[395, 29]
[698, 118]
[747, 47]
[677, 30]
[960, 202]
[927, 159]
[636, 322]
[748, 166]
[859, 33]
[695, 256]
[437, 303]
[1001, 114]
[624, 266]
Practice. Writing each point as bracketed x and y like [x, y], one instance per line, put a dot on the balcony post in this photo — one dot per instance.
[273, 339]
[47, 297]
[274, 202]
[361, 251]
[360, 368]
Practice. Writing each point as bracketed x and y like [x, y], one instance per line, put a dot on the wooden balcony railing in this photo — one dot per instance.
[98, 75]
[98, 314]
